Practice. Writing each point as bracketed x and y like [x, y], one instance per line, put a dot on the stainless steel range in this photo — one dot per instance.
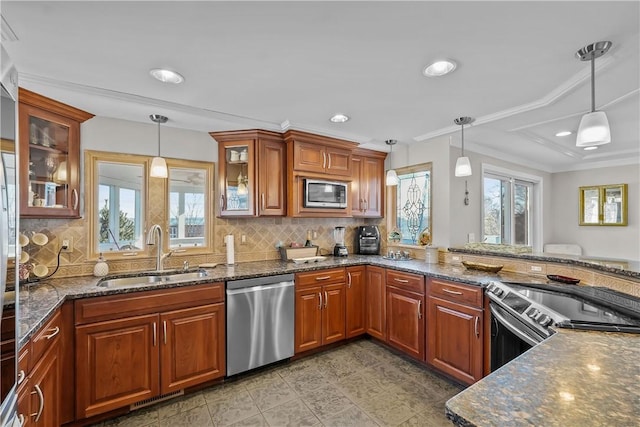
[523, 316]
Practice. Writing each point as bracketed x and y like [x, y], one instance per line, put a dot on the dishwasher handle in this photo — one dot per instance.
[259, 288]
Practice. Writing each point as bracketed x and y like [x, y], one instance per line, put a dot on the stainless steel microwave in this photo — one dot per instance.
[325, 194]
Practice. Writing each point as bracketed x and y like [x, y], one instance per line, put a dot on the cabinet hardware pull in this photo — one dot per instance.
[329, 156]
[55, 332]
[263, 202]
[323, 278]
[349, 282]
[451, 292]
[325, 299]
[222, 202]
[41, 400]
[400, 280]
[154, 334]
[320, 298]
[324, 160]
[21, 376]
[21, 419]
[164, 331]
[74, 193]
[419, 309]
[475, 327]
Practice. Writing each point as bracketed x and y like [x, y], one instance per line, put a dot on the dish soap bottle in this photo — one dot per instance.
[101, 268]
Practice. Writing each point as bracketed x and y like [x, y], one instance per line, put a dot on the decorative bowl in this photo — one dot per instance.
[490, 268]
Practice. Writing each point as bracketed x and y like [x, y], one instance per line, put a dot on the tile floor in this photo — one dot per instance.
[358, 384]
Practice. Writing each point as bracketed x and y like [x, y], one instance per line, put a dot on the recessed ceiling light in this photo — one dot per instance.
[592, 147]
[439, 68]
[339, 118]
[564, 133]
[166, 76]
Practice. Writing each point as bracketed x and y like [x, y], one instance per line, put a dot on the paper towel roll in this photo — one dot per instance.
[230, 249]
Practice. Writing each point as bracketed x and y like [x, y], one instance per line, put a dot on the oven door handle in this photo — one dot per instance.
[510, 326]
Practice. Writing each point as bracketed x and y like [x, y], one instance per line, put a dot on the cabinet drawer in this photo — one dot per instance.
[45, 337]
[457, 292]
[407, 281]
[125, 305]
[315, 278]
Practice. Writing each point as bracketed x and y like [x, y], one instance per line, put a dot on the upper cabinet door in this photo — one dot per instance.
[49, 157]
[272, 197]
[236, 178]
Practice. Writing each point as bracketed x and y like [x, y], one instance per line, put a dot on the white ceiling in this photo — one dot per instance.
[276, 64]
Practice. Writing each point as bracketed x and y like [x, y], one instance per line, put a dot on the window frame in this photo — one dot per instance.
[536, 200]
[92, 158]
[209, 195]
[391, 204]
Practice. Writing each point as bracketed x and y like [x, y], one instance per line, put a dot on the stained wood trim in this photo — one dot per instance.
[34, 99]
[296, 135]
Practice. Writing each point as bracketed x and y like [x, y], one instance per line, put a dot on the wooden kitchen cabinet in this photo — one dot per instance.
[251, 173]
[355, 301]
[138, 346]
[193, 347]
[320, 309]
[39, 376]
[455, 330]
[49, 156]
[405, 313]
[367, 184]
[375, 300]
[318, 154]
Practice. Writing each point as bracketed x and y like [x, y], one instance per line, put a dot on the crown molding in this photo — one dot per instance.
[550, 98]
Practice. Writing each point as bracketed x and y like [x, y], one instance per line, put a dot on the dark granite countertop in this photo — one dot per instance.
[574, 378]
[599, 371]
[622, 267]
[38, 301]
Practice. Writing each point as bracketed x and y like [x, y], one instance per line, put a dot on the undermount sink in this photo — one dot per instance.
[152, 279]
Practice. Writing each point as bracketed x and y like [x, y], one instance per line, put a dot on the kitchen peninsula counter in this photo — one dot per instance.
[574, 378]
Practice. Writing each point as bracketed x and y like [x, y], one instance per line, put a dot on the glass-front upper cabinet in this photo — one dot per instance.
[49, 156]
[236, 178]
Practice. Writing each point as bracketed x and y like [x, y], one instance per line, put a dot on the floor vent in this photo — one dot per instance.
[152, 400]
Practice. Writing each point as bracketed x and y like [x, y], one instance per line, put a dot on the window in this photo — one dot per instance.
[510, 207]
[187, 207]
[410, 215]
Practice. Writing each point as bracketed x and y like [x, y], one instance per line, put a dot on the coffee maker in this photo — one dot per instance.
[368, 240]
[340, 249]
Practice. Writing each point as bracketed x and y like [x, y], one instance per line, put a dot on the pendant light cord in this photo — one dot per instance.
[593, 83]
[462, 140]
[159, 139]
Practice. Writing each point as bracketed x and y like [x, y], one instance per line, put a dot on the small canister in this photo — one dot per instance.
[431, 254]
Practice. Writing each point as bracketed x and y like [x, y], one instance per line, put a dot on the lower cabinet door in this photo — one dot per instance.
[117, 363]
[45, 389]
[24, 404]
[308, 319]
[455, 339]
[375, 313]
[192, 347]
[405, 322]
[333, 313]
[355, 301]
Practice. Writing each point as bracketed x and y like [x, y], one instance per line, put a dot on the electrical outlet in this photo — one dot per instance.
[471, 237]
[315, 234]
[243, 239]
[455, 258]
[68, 242]
[536, 268]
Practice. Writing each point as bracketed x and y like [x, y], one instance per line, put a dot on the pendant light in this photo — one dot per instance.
[158, 164]
[594, 126]
[392, 176]
[463, 165]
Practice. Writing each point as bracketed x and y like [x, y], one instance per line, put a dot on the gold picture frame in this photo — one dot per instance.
[603, 205]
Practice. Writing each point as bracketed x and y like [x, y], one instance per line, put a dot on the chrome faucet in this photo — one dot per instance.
[154, 231]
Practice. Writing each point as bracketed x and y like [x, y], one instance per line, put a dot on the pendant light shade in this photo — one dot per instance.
[158, 164]
[392, 176]
[463, 165]
[594, 126]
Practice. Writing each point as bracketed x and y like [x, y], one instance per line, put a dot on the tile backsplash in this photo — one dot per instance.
[262, 235]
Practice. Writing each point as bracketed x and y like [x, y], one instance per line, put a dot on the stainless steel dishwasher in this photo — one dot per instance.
[260, 322]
